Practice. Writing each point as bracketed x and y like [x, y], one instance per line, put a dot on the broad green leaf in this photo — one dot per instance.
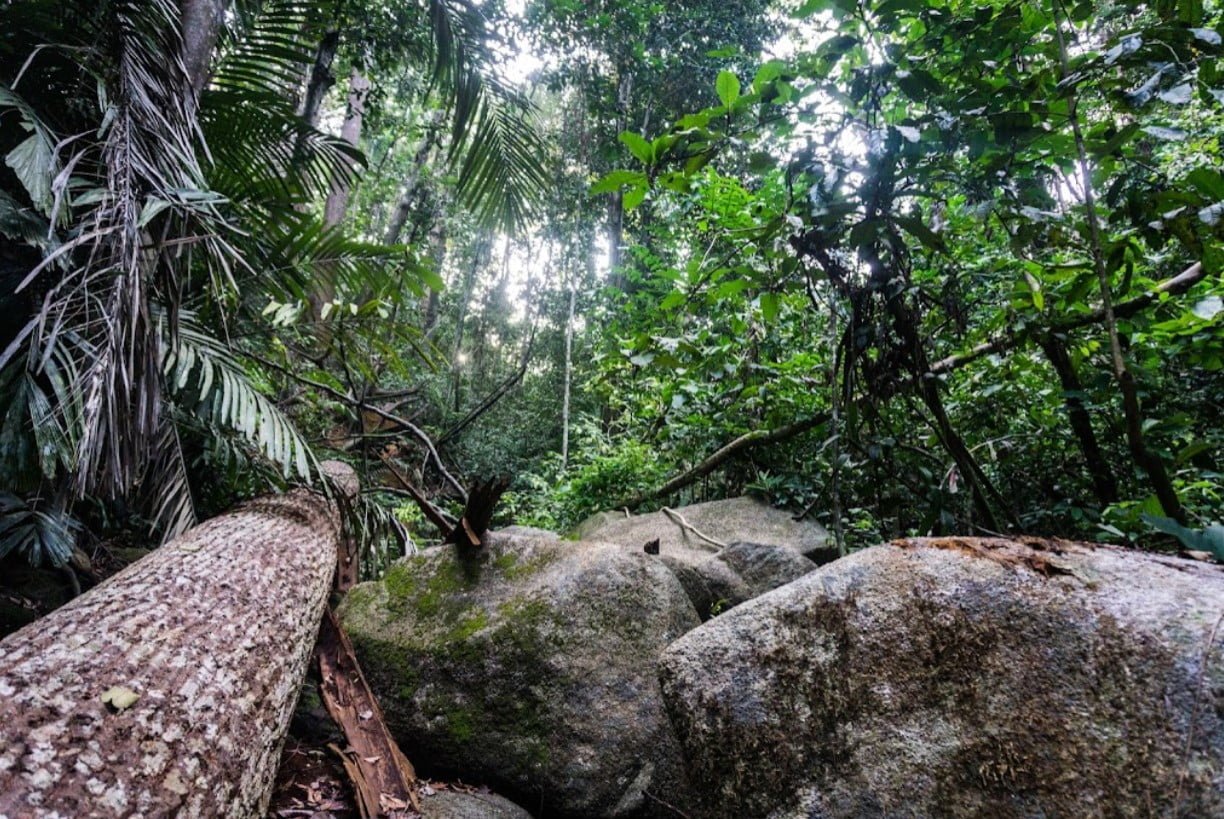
[1035, 290]
[33, 163]
[616, 180]
[770, 305]
[639, 147]
[1209, 540]
[728, 87]
[432, 279]
[1208, 181]
[922, 233]
[633, 197]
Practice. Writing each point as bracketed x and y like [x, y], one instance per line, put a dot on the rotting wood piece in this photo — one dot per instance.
[168, 689]
[383, 778]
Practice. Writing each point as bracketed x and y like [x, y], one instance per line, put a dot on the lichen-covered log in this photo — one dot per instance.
[166, 691]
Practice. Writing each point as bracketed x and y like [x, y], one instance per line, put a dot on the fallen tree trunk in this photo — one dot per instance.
[167, 690]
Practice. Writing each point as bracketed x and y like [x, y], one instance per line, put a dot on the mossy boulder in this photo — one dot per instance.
[531, 668]
[961, 677]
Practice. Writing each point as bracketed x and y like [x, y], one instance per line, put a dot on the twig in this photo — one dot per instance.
[684, 524]
[665, 804]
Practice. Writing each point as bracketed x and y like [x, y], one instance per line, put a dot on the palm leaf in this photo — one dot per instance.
[202, 373]
[40, 535]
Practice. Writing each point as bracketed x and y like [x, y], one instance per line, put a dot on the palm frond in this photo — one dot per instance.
[168, 486]
[300, 251]
[500, 176]
[263, 152]
[202, 373]
[41, 535]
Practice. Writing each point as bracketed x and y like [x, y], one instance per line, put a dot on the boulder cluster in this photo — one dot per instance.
[714, 661]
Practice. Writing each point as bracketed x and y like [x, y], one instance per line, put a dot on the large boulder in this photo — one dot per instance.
[463, 805]
[532, 669]
[727, 521]
[723, 552]
[717, 582]
[961, 677]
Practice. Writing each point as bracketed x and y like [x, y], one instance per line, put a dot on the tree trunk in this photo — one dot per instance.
[167, 690]
[350, 132]
[616, 204]
[1103, 483]
[479, 257]
[437, 255]
[201, 22]
[1147, 460]
[412, 188]
[321, 78]
[569, 376]
[337, 200]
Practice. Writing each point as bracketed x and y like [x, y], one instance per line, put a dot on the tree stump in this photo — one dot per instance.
[168, 689]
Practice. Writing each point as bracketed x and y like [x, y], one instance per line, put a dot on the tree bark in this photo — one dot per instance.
[337, 200]
[210, 634]
[350, 132]
[616, 203]
[412, 188]
[321, 78]
[479, 257]
[200, 21]
[569, 376]
[437, 255]
[1103, 482]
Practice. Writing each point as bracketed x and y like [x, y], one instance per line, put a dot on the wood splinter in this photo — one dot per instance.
[383, 778]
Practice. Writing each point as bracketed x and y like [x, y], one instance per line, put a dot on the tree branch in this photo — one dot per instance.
[1175, 286]
[750, 440]
[416, 431]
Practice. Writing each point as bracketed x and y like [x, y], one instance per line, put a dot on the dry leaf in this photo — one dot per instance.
[119, 698]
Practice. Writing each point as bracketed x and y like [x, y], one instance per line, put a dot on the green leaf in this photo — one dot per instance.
[616, 180]
[432, 279]
[1207, 181]
[770, 305]
[1209, 540]
[32, 161]
[728, 87]
[633, 197]
[639, 147]
[922, 233]
[1035, 289]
